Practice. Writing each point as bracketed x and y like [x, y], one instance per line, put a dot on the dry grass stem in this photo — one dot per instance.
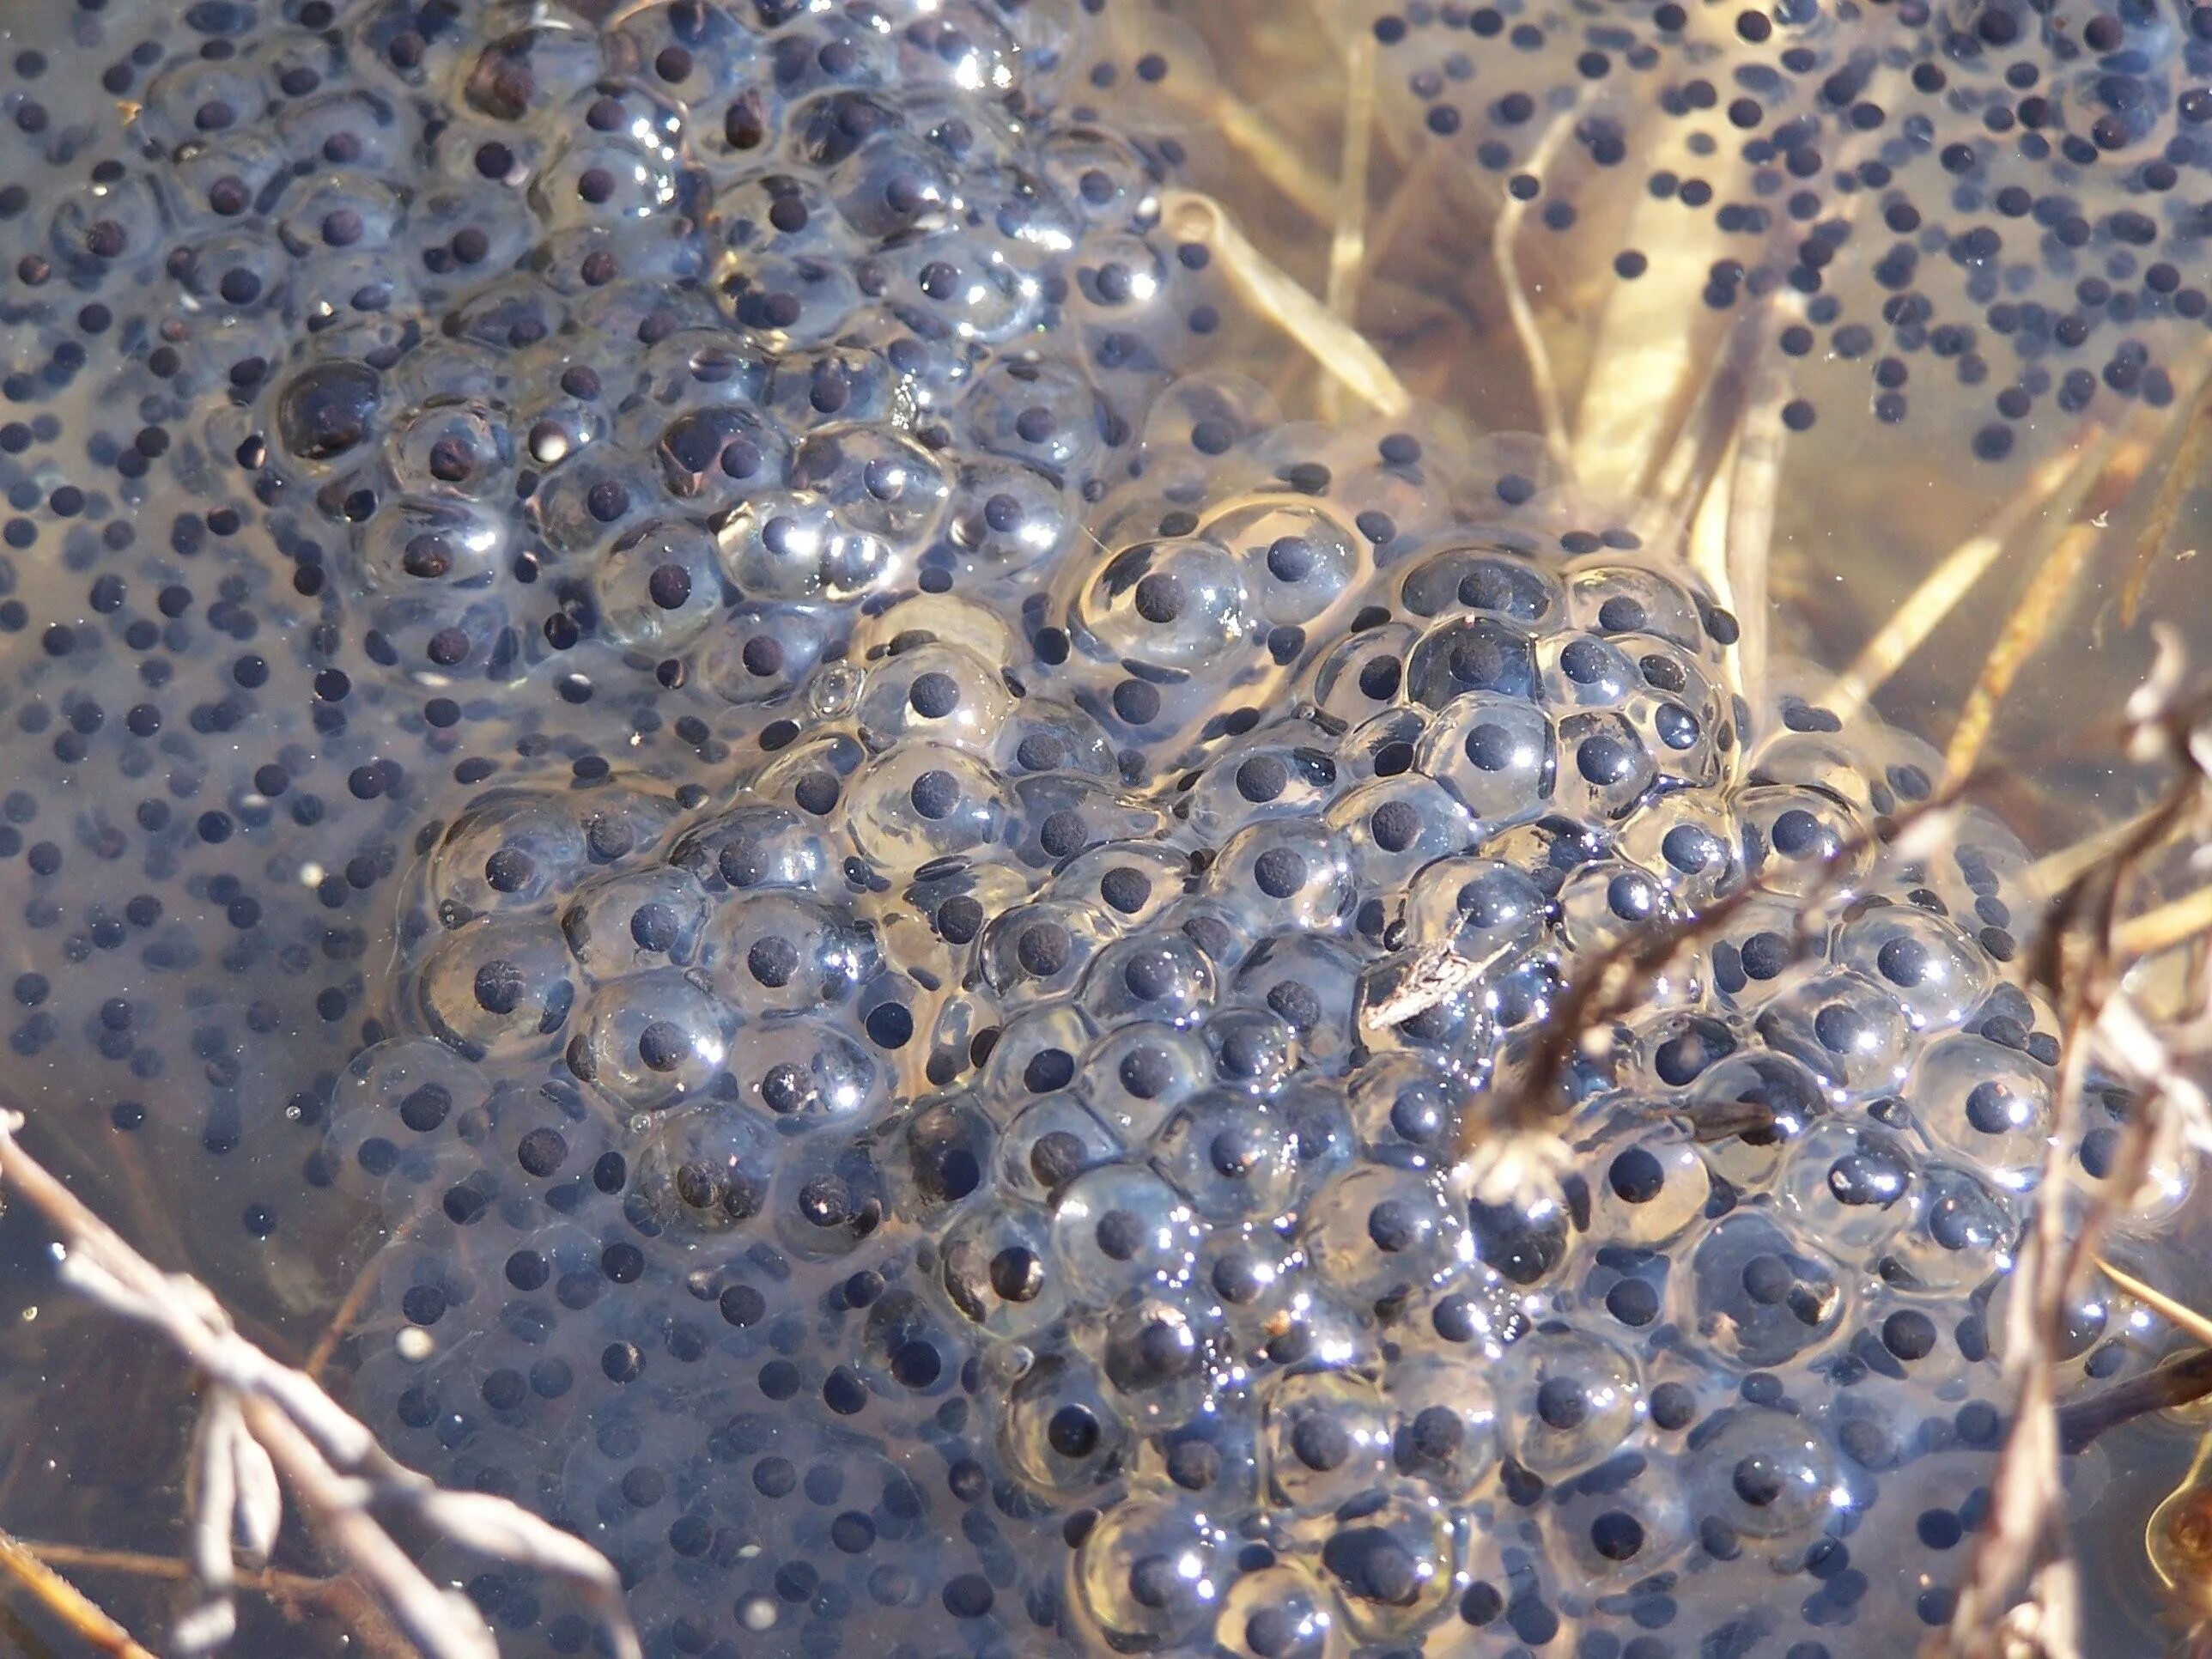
[2055, 872]
[294, 1593]
[1249, 133]
[75, 1611]
[2179, 1315]
[2055, 487]
[261, 1417]
[2184, 919]
[2192, 450]
[1347, 246]
[1339, 348]
[2023, 634]
[1504, 239]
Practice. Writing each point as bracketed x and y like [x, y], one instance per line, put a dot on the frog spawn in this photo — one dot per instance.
[1060, 1109]
[1973, 214]
[973, 1036]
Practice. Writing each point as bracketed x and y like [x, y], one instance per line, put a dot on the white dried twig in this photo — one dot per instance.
[1338, 348]
[2020, 1599]
[261, 1420]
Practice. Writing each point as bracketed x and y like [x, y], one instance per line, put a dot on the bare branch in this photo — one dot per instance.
[262, 1420]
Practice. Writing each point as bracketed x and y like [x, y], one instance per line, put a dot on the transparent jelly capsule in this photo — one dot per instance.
[1283, 771]
[633, 921]
[1374, 1233]
[1497, 753]
[994, 1268]
[1040, 950]
[1150, 1575]
[1609, 597]
[1051, 1141]
[1158, 1353]
[1280, 1613]
[830, 1197]
[1605, 769]
[1137, 1075]
[1407, 1108]
[1325, 1439]
[657, 587]
[707, 1168]
[1802, 842]
[1852, 1184]
[1233, 1156]
[1127, 884]
[1292, 873]
[1445, 1425]
[924, 800]
[1034, 1054]
[756, 845]
[1152, 976]
[650, 1041]
[1464, 655]
[1253, 1049]
[877, 480]
[1602, 905]
[1566, 1400]
[1690, 844]
[1487, 912]
[1489, 579]
[1764, 1475]
[1173, 604]
[1060, 1433]
[1307, 982]
[1747, 1108]
[941, 692]
[1848, 1032]
[1987, 1104]
[1396, 826]
[1649, 1185]
[806, 1074]
[498, 990]
[1966, 1233]
[767, 951]
[1359, 676]
[1118, 1229]
[1298, 559]
[1623, 1522]
[1760, 1297]
[1393, 1560]
[1922, 960]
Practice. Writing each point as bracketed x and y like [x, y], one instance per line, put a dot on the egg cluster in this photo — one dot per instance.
[984, 1098]
[657, 649]
[1990, 208]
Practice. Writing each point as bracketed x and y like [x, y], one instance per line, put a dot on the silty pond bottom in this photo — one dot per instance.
[723, 729]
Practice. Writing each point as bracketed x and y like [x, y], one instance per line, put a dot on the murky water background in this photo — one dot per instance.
[195, 1077]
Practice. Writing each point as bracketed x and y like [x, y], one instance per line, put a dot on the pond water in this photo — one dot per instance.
[822, 781]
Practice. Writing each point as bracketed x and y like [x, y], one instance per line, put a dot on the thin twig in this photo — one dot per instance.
[339, 1596]
[76, 1610]
[1334, 344]
[1504, 235]
[1244, 131]
[2180, 1381]
[1347, 246]
[2023, 634]
[2057, 485]
[2192, 449]
[331, 1462]
[356, 1297]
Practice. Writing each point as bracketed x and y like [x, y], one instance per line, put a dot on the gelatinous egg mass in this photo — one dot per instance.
[688, 707]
